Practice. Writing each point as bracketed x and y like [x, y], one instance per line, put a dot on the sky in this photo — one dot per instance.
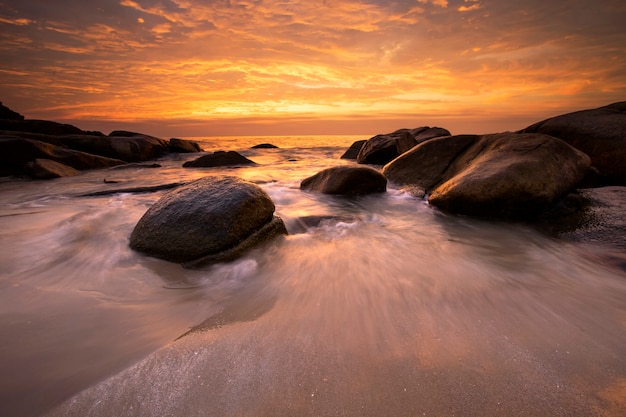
[294, 67]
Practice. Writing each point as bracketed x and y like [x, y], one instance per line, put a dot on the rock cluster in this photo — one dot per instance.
[44, 149]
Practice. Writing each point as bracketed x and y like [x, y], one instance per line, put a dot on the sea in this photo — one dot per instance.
[386, 307]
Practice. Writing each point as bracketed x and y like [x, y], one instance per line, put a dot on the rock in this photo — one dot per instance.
[16, 152]
[219, 159]
[136, 165]
[183, 146]
[46, 169]
[8, 114]
[265, 146]
[213, 219]
[135, 148]
[381, 149]
[600, 133]
[353, 150]
[506, 175]
[422, 134]
[44, 127]
[425, 166]
[346, 180]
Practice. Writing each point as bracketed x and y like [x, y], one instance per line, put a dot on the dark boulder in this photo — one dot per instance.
[505, 175]
[16, 152]
[381, 149]
[425, 166]
[600, 133]
[422, 134]
[265, 146]
[47, 169]
[219, 159]
[346, 180]
[43, 127]
[8, 114]
[353, 150]
[183, 146]
[135, 148]
[213, 219]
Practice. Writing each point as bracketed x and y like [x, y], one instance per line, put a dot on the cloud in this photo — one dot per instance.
[232, 58]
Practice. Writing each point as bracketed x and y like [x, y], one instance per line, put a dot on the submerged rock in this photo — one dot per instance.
[219, 159]
[265, 146]
[600, 133]
[210, 220]
[346, 180]
[505, 175]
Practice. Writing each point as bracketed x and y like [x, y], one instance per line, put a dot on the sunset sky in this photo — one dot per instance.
[263, 67]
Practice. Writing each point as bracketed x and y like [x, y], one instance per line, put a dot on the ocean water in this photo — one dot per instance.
[387, 307]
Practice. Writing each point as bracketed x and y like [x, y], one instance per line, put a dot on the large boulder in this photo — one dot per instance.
[422, 134]
[505, 175]
[16, 152]
[600, 133]
[47, 169]
[219, 159]
[353, 151]
[184, 146]
[425, 166]
[346, 180]
[134, 148]
[213, 219]
[383, 148]
[8, 114]
[44, 127]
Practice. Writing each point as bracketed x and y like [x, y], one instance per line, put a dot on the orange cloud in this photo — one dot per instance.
[333, 59]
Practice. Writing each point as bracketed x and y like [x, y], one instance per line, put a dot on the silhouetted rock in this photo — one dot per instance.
[219, 159]
[505, 175]
[46, 169]
[346, 180]
[136, 165]
[8, 114]
[600, 133]
[44, 127]
[213, 219]
[383, 148]
[265, 146]
[16, 152]
[183, 146]
[353, 150]
[422, 134]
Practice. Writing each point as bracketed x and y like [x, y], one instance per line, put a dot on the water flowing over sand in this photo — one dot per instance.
[386, 308]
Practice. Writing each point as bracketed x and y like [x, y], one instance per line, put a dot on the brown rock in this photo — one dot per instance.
[46, 169]
[346, 180]
[600, 133]
[219, 159]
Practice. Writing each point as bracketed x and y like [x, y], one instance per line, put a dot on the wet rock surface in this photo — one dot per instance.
[210, 220]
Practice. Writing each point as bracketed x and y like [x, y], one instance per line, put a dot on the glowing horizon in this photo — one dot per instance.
[192, 68]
